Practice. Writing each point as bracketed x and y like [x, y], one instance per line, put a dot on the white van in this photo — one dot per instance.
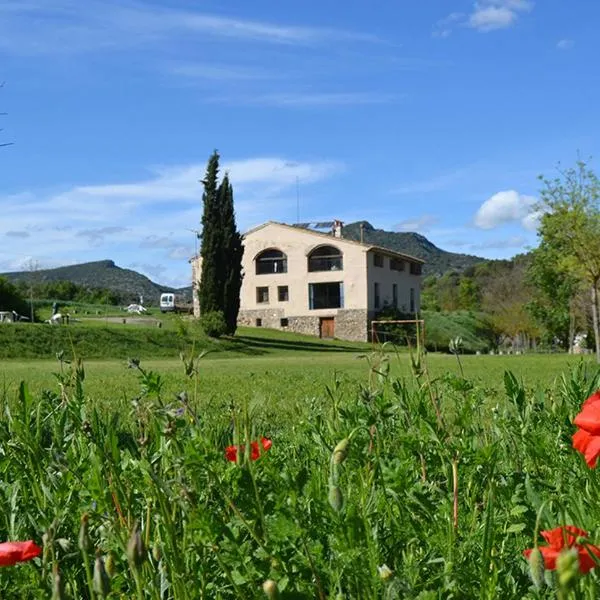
[167, 302]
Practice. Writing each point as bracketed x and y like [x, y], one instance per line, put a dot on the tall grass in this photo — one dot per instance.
[412, 487]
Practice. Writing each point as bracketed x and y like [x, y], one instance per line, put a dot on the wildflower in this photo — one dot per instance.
[385, 573]
[231, 452]
[12, 553]
[270, 589]
[566, 537]
[587, 438]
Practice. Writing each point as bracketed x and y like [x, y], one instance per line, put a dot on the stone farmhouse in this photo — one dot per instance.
[302, 280]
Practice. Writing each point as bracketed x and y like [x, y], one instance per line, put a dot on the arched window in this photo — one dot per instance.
[325, 258]
[271, 261]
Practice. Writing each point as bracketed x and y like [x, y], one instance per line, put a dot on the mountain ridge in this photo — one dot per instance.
[437, 261]
[130, 284]
[127, 283]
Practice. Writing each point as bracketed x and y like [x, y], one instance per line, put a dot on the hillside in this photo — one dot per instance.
[100, 274]
[437, 261]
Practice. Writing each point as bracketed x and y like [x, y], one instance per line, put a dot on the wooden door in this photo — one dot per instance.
[327, 327]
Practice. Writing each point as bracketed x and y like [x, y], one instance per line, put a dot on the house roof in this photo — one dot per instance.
[328, 236]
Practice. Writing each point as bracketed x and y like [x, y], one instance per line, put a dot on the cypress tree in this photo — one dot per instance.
[233, 251]
[210, 292]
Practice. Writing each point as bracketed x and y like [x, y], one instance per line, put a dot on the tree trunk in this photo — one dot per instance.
[571, 327]
[595, 318]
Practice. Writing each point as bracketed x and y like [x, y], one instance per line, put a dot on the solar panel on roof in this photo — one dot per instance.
[323, 225]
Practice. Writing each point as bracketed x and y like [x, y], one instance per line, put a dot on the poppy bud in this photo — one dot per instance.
[567, 568]
[110, 565]
[536, 568]
[336, 500]
[156, 553]
[84, 536]
[136, 552]
[270, 589]
[57, 584]
[340, 452]
[101, 578]
[385, 573]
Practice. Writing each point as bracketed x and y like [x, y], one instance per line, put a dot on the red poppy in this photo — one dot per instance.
[587, 438]
[12, 553]
[566, 537]
[255, 449]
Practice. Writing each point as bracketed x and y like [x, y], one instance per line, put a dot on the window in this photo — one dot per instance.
[325, 295]
[271, 261]
[395, 295]
[412, 300]
[259, 322]
[378, 260]
[377, 298]
[415, 268]
[262, 295]
[283, 293]
[283, 322]
[325, 258]
[396, 265]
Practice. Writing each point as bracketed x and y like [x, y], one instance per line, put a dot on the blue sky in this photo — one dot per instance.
[433, 116]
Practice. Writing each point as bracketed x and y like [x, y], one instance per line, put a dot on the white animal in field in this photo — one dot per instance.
[56, 319]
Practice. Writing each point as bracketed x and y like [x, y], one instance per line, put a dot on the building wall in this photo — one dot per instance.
[352, 322]
[297, 245]
[386, 277]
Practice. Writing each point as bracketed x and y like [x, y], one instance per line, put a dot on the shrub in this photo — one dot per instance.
[213, 323]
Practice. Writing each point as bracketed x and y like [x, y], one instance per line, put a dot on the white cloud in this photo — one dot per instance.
[68, 26]
[149, 220]
[310, 99]
[505, 207]
[565, 44]
[218, 72]
[485, 16]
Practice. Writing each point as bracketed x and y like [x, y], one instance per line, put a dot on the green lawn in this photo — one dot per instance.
[282, 374]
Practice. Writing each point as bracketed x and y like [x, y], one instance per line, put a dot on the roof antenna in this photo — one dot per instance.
[297, 199]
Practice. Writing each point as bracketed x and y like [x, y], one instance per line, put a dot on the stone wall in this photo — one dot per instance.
[352, 325]
[270, 317]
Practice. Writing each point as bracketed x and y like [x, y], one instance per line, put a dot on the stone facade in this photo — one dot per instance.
[351, 325]
[269, 317]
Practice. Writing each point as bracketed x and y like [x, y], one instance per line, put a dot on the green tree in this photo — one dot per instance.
[570, 227]
[233, 250]
[554, 304]
[222, 249]
[210, 292]
[11, 299]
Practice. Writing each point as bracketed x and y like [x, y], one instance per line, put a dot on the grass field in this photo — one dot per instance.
[288, 373]
[328, 469]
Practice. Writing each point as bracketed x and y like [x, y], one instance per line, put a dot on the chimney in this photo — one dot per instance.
[337, 229]
[362, 233]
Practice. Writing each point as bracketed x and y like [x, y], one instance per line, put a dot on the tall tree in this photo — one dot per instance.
[570, 226]
[233, 250]
[210, 292]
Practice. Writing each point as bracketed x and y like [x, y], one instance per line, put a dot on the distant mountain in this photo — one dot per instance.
[437, 261]
[101, 274]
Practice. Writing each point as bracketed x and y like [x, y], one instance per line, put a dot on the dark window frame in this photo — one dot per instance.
[271, 261]
[325, 258]
[281, 288]
[261, 290]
